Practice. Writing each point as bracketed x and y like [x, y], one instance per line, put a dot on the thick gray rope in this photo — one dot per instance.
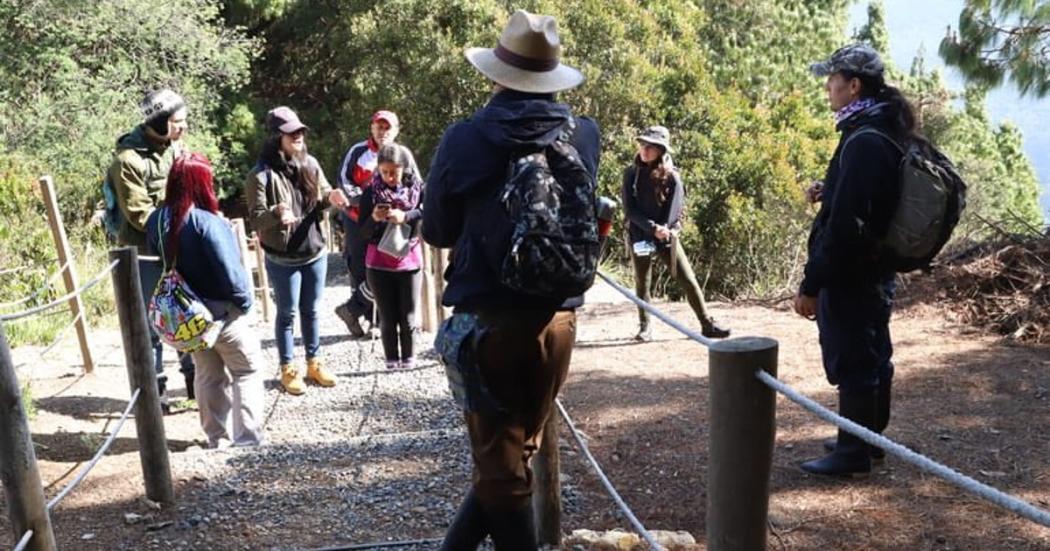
[1004, 500]
[62, 334]
[660, 315]
[22, 543]
[98, 455]
[40, 291]
[59, 301]
[653, 544]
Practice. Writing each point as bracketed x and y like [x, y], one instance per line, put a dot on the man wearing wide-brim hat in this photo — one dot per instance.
[519, 344]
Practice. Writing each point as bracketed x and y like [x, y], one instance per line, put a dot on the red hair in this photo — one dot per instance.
[189, 185]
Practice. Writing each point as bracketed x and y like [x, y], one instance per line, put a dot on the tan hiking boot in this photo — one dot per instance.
[317, 372]
[292, 379]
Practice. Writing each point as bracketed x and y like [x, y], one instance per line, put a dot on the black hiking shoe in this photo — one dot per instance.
[711, 330]
[352, 324]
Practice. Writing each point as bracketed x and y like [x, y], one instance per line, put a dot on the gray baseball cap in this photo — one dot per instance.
[859, 59]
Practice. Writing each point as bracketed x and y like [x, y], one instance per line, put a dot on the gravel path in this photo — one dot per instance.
[380, 456]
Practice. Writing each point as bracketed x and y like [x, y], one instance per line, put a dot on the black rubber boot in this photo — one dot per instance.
[468, 528]
[851, 456]
[513, 530]
[882, 420]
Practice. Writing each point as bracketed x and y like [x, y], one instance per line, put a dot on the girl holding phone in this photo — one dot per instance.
[394, 204]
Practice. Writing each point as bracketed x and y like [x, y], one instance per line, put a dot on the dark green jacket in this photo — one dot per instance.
[139, 172]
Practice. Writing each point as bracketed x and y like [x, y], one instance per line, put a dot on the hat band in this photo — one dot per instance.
[524, 63]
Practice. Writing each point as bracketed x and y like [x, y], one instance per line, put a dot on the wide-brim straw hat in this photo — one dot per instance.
[527, 57]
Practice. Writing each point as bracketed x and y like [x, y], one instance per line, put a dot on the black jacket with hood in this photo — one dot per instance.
[643, 209]
[861, 191]
[466, 177]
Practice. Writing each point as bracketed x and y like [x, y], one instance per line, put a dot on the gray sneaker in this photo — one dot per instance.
[352, 325]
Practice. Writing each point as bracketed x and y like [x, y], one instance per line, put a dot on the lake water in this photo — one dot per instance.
[923, 24]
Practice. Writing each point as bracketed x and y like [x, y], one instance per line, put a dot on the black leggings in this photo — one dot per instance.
[396, 294]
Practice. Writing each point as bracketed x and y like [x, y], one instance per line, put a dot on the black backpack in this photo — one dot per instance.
[550, 203]
[932, 199]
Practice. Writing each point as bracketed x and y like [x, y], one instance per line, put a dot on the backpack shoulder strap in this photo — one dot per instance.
[869, 130]
[160, 240]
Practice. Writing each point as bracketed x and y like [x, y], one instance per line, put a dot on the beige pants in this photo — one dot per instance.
[231, 367]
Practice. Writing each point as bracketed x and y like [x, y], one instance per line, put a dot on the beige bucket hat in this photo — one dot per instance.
[527, 57]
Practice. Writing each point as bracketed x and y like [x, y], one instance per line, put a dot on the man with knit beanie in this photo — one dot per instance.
[138, 173]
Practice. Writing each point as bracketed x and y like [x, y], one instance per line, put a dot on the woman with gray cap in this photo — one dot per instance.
[845, 287]
[653, 199]
[287, 196]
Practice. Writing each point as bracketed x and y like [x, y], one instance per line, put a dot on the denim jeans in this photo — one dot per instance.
[149, 275]
[297, 289]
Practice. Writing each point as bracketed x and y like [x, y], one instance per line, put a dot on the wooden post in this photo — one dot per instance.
[242, 242]
[25, 494]
[138, 353]
[440, 263]
[546, 500]
[264, 278]
[426, 298]
[69, 275]
[742, 426]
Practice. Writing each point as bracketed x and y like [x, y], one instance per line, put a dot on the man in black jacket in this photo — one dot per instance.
[523, 355]
[846, 288]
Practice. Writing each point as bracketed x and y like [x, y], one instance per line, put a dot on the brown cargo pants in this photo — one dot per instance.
[523, 360]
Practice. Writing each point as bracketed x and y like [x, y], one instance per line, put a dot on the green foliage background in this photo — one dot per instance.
[749, 124]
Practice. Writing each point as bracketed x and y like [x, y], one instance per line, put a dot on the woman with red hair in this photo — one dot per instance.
[201, 246]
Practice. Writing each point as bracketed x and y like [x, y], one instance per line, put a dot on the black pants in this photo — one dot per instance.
[396, 294]
[354, 249]
[854, 324]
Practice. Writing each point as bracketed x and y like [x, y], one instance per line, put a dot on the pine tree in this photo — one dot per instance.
[1002, 39]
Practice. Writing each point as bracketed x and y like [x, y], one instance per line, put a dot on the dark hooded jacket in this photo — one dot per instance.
[642, 206]
[861, 191]
[466, 177]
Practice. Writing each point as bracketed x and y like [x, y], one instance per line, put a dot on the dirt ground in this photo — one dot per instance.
[974, 402]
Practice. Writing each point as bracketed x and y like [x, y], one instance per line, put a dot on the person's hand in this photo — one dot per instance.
[662, 233]
[380, 213]
[338, 198]
[396, 216]
[815, 191]
[806, 306]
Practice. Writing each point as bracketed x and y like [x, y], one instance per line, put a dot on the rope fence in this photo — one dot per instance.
[65, 298]
[654, 311]
[62, 334]
[1011, 503]
[653, 544]
[43, 289]
[22, 543]
[98, 455]
[984, 491]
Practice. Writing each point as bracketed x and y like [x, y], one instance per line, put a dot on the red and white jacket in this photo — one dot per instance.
[356, 173]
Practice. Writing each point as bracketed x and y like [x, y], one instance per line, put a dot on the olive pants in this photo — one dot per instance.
[643, 268]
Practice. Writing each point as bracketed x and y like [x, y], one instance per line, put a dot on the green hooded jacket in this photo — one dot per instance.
[139, 173]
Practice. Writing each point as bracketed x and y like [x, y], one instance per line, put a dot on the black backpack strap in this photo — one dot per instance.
[869, 130]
